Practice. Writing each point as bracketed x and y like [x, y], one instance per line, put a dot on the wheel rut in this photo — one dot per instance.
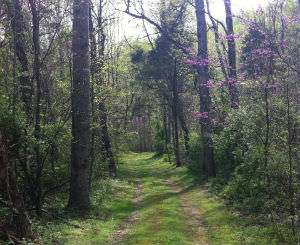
[192, 213]
[123, 230]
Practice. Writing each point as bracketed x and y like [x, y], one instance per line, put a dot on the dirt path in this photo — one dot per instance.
[124, 229]
[164, 214]
[192, 213]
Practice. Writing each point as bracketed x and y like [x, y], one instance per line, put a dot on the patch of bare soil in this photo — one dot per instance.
[124, 229]
[192, 213]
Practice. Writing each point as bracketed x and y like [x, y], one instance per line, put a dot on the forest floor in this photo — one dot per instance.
[155, 203]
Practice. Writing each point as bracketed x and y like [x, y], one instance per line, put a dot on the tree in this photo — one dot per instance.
[80, 153]
[204, 93]
[99, 111]
[38, 96]
[9, 190]
[232, 73]
[17, 27]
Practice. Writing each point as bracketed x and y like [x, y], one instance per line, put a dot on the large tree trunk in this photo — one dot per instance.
[80, 155]
[204, 93]
[232, 73]
[9, 192]
[17, 26]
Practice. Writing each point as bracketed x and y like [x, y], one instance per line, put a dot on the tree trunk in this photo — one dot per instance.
[290, 159]
[204, 93]
[185, 129]
[232, 72]
[97, 65]
[37, 79]
[165, 126]
[17, 26]
[93, 44]
[80, 155]
[221, 58]
[106, 142]
[9, 191]
[175, 100]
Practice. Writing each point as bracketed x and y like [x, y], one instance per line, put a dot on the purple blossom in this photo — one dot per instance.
[242, 77]
[197, 62]
[138, 121]
[209, 84]
[262, 52]
[274, 88]
[290, 20]
[189, 50]
[284, 44]
[232, 81]
[230, 37]
[201, 115]
[222, 83]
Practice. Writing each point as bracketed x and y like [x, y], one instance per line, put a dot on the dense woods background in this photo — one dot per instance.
[221, 97]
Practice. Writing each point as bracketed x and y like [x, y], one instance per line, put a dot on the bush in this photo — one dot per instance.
[159, 139]
[196, 150]
[256, 187]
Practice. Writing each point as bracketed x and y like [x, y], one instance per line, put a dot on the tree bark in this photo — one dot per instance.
[185, 129]
[97, 65]
[9, 191]
[17, 26]
[80, 156]
[37, 114]
[165, 126]
[106, 141]
[232, 72]
[204, 93]
[175, 100]
[93, 44]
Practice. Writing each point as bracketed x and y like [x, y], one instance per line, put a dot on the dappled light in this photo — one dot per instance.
[138, 122]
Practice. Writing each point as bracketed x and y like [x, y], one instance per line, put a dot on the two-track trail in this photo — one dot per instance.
[163, 212]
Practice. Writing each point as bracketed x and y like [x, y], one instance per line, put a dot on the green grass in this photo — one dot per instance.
[161, 218]
[224, 225]
[112, 204]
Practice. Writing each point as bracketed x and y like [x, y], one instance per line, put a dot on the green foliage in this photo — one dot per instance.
[159, 139]
[261, 188]
[195, 153]
[11, 122]
[254, 178]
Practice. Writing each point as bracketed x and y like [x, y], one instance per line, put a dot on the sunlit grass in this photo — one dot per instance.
[225, 226]
[161, 217]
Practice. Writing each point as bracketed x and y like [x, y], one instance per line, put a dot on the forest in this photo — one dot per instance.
[139, 122]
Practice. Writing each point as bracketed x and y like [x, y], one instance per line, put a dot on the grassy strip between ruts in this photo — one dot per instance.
[161, 216]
